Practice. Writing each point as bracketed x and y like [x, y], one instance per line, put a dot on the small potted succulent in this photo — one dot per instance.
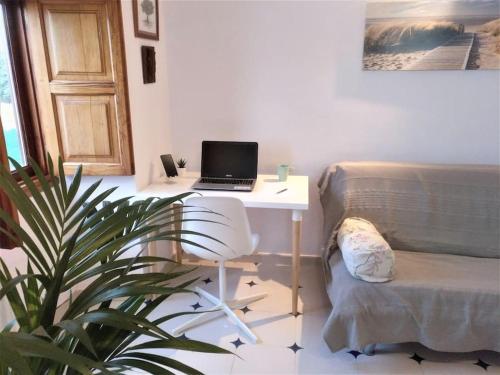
[181, 167]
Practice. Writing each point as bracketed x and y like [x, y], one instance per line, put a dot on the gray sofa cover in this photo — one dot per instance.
[444, 223]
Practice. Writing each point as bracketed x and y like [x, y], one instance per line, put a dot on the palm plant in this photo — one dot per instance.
[74, 241]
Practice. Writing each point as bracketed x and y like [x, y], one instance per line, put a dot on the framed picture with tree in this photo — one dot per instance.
[146, 19]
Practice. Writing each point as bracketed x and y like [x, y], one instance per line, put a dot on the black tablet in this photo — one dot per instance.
[169, 165]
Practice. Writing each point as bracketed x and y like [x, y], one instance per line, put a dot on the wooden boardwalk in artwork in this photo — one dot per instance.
[452, 55]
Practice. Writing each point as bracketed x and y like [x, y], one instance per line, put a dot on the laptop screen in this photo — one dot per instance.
[229, 159]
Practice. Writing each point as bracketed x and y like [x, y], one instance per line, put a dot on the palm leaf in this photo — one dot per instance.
[32, 346]
[165, 361]
[79, 332]
[41, 202]
[10, 358]
[15, 300]
[149, 367]
[105, 267]
[29, 212]
[190, 345]
[49, 305]
[74, 241]
[27, 244]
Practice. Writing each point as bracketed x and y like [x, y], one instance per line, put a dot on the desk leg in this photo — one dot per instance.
[296, 238]
[177, 226]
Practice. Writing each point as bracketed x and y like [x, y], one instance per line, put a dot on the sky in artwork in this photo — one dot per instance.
[432, 8]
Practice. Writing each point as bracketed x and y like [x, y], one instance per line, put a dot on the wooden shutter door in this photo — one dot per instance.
[79, 69]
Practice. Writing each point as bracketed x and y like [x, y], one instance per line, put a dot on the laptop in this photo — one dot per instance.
[228, 166]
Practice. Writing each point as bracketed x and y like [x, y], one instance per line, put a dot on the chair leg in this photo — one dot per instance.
[200, 319]
[236, 321]
[222, 307]
[369, 349]
[242, 302]
[208, 296]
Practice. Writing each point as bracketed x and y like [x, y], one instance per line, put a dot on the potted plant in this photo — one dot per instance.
[73, 240]
[181, 167]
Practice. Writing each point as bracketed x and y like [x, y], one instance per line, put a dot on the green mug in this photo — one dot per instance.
[283, 171]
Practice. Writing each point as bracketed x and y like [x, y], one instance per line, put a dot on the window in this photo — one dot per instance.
[9, 110]
[17, 108]
[19, 133]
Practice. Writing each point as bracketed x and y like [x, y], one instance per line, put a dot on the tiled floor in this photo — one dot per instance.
[293, 345]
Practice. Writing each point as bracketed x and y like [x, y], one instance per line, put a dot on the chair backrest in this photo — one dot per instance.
[222, 218]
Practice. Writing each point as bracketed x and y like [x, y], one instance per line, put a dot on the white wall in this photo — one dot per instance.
[148, 102]
[288, 75]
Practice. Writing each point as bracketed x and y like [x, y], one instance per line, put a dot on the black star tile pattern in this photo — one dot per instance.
[245, 309]
[482, 364]
[237, 343]
[208, 280]
[295, 347]
[296, 315]
[354, 353]
[251, 283]
[417, 358]
[196, 306]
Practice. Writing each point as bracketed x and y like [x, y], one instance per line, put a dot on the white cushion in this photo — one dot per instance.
[366, 254]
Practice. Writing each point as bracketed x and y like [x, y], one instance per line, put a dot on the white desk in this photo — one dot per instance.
[295, 199]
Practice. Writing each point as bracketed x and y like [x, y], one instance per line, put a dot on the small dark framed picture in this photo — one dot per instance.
[146, 19]
[148, 64]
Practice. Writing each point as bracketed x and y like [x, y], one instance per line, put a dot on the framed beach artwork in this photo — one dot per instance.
[146, 19]
[432, 35]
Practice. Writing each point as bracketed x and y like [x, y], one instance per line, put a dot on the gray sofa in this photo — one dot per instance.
[443, 221]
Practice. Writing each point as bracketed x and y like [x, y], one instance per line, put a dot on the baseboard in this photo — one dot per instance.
[286, 255]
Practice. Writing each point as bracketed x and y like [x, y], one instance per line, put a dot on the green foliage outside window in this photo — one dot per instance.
[4, 81]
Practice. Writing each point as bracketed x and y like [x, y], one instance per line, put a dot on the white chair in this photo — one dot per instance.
[226, 221]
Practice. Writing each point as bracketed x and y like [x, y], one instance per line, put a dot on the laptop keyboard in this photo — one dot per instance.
[227, 181]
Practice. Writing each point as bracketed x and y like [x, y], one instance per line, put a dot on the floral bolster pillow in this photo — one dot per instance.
[366, 254]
